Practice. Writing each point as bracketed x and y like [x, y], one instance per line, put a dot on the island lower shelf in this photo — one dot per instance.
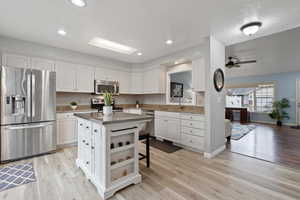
[108, 154]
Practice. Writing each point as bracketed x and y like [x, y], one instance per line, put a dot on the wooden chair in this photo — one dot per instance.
[145, 136]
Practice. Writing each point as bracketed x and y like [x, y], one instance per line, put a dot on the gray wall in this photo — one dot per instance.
[215, 101]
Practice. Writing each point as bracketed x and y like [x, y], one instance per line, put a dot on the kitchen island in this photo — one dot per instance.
[108, 149]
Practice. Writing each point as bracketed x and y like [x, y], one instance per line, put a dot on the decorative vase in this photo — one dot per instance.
[279, 123]
[107, 110]
[73, 107]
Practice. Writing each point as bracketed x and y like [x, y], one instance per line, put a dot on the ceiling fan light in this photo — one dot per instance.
[251, 28]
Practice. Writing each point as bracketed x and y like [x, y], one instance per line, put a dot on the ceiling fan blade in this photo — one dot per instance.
[246, 62]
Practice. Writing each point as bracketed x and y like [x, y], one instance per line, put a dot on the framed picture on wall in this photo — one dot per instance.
[176, 89]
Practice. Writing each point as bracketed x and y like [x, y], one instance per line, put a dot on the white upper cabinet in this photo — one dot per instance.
[13, 60]
[198, 75]
[65, 77]
[85, 79]
[124, 81]
[42, 64]
[154, 81]
[136, 83]
[105, 74]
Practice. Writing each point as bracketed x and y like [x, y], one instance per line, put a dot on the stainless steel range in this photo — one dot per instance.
[28, 112]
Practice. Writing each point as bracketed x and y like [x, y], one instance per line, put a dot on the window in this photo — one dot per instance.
[257, 97]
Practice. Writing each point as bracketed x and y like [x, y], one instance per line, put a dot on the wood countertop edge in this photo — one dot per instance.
[167, 108]
[155, 107]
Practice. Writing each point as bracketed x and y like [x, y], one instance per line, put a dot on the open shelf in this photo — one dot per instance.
[121, 164]
[124, 148]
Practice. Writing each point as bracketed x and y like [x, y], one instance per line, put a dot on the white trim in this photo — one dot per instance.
[214, 153]
[297, 100]
[173, 70]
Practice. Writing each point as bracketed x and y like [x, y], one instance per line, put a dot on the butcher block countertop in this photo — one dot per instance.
[155, 107]
[168, 108]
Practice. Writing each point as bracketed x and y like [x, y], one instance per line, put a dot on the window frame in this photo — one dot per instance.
[256, 85]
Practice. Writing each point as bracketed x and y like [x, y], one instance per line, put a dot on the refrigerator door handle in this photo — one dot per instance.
[28, 126]
[33, 95]
[28, 95]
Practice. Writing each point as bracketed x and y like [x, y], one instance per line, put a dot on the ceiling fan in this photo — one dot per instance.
[235, 62]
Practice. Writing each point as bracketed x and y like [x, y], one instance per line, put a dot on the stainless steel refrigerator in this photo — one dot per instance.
[28, 112]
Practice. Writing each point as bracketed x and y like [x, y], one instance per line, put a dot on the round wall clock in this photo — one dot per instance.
[219, 80]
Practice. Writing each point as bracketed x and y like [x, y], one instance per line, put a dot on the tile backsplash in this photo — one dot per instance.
[64, 98]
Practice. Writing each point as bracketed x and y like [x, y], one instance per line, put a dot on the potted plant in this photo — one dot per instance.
[278, 113]
[73, 105]
[107, 108]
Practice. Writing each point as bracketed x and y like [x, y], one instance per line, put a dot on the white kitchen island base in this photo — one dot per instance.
[108, 152]
[106, 193]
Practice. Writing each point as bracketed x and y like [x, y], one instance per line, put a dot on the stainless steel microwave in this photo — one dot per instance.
[102, 86]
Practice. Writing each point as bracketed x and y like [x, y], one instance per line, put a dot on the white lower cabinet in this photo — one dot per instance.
[108, 154]
[182, 128]
[167, 128]
[66, 129]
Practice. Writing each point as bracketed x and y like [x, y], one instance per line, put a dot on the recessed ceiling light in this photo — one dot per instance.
[251, 28]
[61, 32]
[78, 3]
[110, 45]
[139, 54]
[169, 42]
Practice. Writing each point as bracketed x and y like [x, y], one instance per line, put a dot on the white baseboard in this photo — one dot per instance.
[214, 153]
[61, 146]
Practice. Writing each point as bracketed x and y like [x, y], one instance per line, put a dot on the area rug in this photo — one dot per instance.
[164, 146]
[16, 175]
[239, 130]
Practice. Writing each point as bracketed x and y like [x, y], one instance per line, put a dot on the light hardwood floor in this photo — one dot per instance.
[178, 176]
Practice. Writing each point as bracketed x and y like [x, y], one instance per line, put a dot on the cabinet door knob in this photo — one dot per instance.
[83, 141]
[87, 127]
[87, 162]
[95, 131]
[93, 147]
[87, 144]
[80, 124]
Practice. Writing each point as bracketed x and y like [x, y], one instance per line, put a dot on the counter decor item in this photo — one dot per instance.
[137, 104]
[73, 105]
[107, 108]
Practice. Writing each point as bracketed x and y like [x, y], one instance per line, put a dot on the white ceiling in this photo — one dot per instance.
[277, 53]
[142, 24]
